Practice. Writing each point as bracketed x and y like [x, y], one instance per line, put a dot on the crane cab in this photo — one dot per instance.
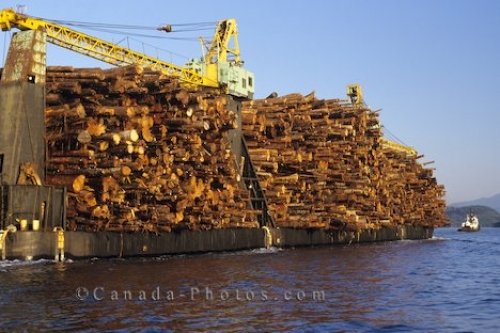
[238, 80]
[232, 76]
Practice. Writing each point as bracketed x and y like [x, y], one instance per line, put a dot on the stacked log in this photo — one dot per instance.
[322, 165]
[408, 191]
[138, 152]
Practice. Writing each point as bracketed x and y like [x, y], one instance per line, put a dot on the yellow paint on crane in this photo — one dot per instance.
[220, 68]
[95, 47]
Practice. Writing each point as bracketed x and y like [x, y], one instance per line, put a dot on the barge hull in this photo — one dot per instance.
[30, 245]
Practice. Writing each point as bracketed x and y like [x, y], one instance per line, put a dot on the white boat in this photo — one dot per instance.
[471, 223]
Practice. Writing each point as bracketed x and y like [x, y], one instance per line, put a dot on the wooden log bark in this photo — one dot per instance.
[139, 153]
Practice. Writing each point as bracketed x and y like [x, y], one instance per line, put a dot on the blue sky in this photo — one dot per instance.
[431, 66]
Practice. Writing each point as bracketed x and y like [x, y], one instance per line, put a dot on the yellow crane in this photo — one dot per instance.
[221, 67]
[355, 94]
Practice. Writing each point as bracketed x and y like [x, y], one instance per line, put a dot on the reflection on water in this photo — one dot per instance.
[445, 284]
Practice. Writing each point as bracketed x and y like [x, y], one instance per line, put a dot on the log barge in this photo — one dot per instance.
[128, 162]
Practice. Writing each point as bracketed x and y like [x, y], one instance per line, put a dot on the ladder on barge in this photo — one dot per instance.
[257, 196]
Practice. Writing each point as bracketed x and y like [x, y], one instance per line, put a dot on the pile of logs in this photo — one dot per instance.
[322, 164]
[138, 152]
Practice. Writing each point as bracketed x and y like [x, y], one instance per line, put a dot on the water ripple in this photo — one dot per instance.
[446, 284]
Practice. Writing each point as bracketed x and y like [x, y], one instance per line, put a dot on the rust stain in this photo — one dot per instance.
[26, 57]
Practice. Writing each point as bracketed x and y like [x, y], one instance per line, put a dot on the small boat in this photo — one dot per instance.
[471, 223]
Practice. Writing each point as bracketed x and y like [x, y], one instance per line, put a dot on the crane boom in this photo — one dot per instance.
[219, 48]
[355, 94]
[398, 147]
[95, 47]
[217, 71]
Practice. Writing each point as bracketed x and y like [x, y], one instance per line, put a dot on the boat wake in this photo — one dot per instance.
[16, 263]
[263, 250]
[438, 238]
[211, 254]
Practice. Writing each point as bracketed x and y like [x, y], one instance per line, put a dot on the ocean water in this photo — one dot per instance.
[447, 284]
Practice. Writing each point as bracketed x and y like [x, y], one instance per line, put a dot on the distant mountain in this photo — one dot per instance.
[488, 217]
[493, 202]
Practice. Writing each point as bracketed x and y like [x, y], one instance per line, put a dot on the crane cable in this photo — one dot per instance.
[157, 48]
[186, 27]
[112, 29]
[394, 137]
